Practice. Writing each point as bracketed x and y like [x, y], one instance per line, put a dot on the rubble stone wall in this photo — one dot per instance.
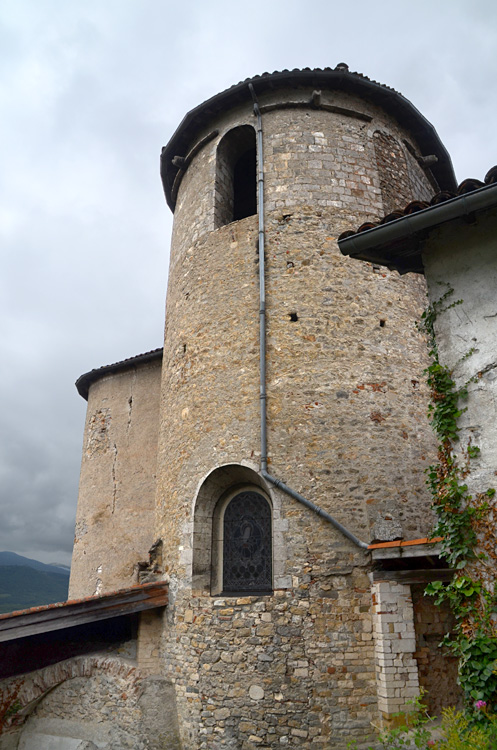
[89, 702]
[437, 669]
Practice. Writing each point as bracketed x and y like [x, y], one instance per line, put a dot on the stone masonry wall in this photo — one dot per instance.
[98, 701]
[346, 427]
[115, 516]
[289, 670]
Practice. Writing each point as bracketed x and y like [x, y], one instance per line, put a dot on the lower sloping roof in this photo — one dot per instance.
[68, 614]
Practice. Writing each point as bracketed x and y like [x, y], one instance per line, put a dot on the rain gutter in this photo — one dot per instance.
[387, 243]
[262, 348]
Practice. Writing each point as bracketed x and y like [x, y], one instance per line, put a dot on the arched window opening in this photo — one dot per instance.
[236, 176]
[247, 548]
[260, 535]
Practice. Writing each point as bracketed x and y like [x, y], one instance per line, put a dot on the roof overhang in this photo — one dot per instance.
[79, 612]
[339, 79]
[399, 244]
[84, 382]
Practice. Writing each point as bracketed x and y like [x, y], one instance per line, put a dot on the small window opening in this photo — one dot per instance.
[293, 317]
[382, 323]
[236, 176]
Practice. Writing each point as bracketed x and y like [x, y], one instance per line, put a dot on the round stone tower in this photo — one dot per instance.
[269, 630]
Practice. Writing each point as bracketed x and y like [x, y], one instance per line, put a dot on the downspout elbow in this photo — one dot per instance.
[319, 511]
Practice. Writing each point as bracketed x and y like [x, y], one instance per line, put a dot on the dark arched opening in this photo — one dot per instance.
[236, 176]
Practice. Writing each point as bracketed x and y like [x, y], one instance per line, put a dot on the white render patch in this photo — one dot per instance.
[463, 258]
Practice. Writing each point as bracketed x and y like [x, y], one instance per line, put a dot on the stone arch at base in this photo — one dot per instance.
[20, 695]
[217, 484]
[89, 702]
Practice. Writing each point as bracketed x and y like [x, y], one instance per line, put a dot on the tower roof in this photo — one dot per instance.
[84, 381]
[339, 79]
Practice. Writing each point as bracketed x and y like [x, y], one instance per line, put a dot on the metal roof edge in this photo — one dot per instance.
[84, 382]
[362, 244]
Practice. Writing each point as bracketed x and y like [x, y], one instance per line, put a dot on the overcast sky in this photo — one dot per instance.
[90, 90]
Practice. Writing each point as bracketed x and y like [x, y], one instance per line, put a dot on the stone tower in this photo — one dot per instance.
[298, 383]
[346, 407]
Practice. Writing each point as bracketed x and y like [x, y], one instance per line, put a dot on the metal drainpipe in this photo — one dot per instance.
[262, 285]
[262, 346]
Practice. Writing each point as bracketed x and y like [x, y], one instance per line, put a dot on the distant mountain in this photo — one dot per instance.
[26, 583]
[11, 558]
[62, 567]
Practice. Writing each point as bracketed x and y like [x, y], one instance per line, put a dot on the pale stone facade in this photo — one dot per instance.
[115, 516]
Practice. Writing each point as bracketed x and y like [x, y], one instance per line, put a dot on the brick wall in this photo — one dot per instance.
[436, 667]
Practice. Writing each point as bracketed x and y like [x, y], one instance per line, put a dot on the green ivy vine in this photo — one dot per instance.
[463, 522]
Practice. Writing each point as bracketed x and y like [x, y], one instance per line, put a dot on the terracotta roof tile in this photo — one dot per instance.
[408, 543]
[466, 186]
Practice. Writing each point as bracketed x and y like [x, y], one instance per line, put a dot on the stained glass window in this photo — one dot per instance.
[247, 548]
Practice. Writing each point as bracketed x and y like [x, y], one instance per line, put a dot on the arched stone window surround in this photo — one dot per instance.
[236, 176]
[216, 486]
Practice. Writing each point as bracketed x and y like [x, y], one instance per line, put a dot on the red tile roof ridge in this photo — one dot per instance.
[468, 185]
[407, 543]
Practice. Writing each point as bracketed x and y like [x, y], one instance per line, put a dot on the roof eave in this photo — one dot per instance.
[398, 244]
[338, 79]
[84, 381]
[91, 609]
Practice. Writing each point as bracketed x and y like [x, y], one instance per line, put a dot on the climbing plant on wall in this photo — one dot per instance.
[466, 523]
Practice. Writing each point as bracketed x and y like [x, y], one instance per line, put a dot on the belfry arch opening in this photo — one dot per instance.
[236, 176]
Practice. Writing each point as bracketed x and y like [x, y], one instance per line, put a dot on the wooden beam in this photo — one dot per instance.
[413, 576]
